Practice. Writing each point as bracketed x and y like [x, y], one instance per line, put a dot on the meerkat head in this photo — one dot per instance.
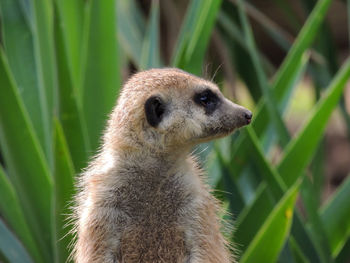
[169, 108]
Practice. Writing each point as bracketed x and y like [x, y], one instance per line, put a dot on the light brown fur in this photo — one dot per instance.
[142, 199]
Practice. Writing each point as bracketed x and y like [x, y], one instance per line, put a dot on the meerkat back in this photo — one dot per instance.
[142, 199]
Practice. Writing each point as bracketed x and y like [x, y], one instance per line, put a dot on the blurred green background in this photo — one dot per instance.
[283, 179]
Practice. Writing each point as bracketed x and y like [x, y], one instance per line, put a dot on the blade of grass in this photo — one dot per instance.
[150, 57]
[70, 108]
[277, 188]
[11, 247]
[18, 44]
[258, 126]
[235, 33]
[276, 33]
[290, 66]
[314, 223]
[344, 255]
[71, 21]
[45, 64]
[298, 255]
[194, 36]
[25, 167]
[101, 78]
[64, 189]
[335, 215]
[228, 25]
[229, 186]
[318, 173]
[303, 41]
[130, 29]
[12, 213]
[300, 150]
[275, 116]
[274, 231]
[247, 225]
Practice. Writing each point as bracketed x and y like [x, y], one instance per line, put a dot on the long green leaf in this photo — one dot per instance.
[344, 255]
[195, 32]
[11, 247]
[300, 150]
[64, 188]
[131, 26]
[101, 78]
[70, 106]
[286, 74]
[71, 21]
[150, 56]
[18, 44]
[272, 108]
[12, 213]
[277, 188]
[314, 223]
[274, 231]
[303, 41]
[26, 167]
[336, 218]
[46, 65]
[248, 223]
[298, 255]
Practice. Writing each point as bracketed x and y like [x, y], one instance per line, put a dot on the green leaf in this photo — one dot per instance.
[18, 43]
[101, 77]
[11, 211]
[11, 247]
[71, 21]
[274, 231]
[298, 255]
[335, 215]
[130, 29]
[307, 34]
[268, 172]
[314, 223]
[150, 57]
[25, 161]
[276, 188]
[286, 73]
[299, 151]
[70, 106]
[272, 108]
[64, 189]
[344, 255]
[194, 36]
[43, 39]
[248, 223]
[241, 60]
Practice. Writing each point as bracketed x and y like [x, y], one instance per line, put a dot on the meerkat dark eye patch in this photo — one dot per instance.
[207, 99]
[154, 109]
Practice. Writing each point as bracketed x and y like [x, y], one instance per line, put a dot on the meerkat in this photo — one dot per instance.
[143, 198]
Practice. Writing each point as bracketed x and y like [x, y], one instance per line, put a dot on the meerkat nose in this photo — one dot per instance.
[248, 115]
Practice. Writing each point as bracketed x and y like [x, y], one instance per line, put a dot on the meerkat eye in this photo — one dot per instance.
[207, 99]
[154, 110]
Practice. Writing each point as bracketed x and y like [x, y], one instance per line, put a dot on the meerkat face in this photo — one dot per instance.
[190, 111]
[221, 116]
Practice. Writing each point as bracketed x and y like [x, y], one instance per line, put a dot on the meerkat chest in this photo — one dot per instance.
[155, 206]
[153, 199]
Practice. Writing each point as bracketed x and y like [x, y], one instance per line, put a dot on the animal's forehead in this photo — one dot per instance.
[168, 79]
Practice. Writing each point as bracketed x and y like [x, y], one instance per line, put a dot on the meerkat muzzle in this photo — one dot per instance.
[248, 116]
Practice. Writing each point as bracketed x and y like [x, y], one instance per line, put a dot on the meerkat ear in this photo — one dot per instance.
[154, 109]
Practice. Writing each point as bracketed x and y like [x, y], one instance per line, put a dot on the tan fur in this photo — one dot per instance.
[142, 199]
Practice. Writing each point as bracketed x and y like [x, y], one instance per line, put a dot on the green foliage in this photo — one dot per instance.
[61, 64]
